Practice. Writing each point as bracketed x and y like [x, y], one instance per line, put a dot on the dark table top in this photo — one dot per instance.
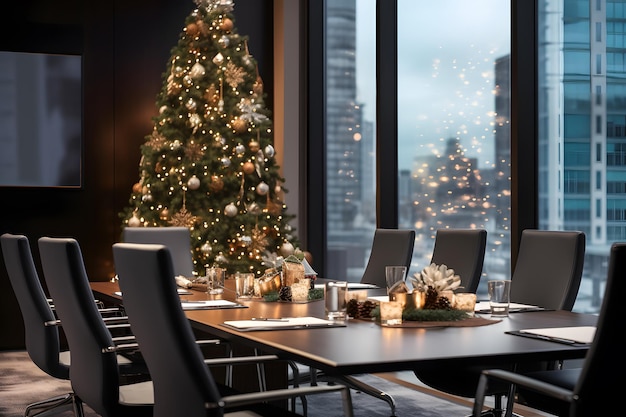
[366, 347]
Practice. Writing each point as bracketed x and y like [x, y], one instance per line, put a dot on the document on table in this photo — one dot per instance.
[181, 291]
[568, 335]
[287, 323]
[354, 286]
[484, 307]
[210, 304]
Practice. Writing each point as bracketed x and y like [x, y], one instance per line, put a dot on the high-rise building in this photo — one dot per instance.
[582, 125]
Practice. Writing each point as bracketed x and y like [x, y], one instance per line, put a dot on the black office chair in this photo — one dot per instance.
[177, 239]
[579, 392]
[547, 274]
[183, 385]
[40, 323]
[94, 373]
[389, 247]
[464, 251]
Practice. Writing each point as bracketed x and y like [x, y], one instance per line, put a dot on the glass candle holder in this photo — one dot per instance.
[390, 313]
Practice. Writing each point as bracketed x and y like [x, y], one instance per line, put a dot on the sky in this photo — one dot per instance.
[446, 55]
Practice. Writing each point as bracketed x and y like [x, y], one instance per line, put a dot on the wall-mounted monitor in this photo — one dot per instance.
[41, 129]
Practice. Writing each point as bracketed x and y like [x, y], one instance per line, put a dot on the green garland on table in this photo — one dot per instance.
[314, 294]
[412, 314]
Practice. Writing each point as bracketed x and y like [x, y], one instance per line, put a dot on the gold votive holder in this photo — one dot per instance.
[300, 290]
[390, 313]
[465, 301]
[417, 299]
[269, 283]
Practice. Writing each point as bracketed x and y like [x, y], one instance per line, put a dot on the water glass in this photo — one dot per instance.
[394, 274]
[336, 299]
[244, 285]
[499, 297]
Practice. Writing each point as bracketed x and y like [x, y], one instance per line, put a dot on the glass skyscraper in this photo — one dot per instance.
[582, 126]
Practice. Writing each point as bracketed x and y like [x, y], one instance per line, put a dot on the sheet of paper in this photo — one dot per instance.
[354, 286]
[181, 291]
[283, 323]
[483, 307]
[207, 304]
[579, 334]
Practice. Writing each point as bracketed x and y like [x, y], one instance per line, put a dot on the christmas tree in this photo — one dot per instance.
[209, 163]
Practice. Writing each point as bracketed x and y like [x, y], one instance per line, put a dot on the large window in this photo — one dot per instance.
[463, 149]
[453, 123]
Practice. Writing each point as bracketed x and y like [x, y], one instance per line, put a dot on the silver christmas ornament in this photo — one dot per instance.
[231, 210]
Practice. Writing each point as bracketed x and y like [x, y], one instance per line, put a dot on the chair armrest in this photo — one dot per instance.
[517, 380]
[279, 394]
[240, 360]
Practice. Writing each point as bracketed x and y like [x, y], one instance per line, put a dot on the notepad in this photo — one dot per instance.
[210, 304]
[578, 334]
[287, 323]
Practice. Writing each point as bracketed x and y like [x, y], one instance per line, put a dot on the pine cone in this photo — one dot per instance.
[432, 297]
[353, 308]
[366, 308]
[284, 294]
[443, 303]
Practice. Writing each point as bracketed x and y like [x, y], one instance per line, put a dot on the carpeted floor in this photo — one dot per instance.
[21, 383]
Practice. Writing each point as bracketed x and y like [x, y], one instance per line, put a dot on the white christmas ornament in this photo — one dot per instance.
[197, 71]
[231, 210]
[287, 249]
[206, 248]
[269, 151]
[218, 59]
[262, 188]
[134, 221]
[193, 183]
[225, 162]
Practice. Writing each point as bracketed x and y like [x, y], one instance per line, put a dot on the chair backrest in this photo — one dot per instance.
[177, 239]
[548, 269]
[94, 373]
[596, 391]
[182, 383]
[41, 332]
[464, 251]
[389, 247]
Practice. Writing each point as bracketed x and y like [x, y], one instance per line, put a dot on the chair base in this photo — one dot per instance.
[42, 408]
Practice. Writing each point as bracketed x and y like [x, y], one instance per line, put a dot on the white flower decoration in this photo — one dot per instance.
[439, 277]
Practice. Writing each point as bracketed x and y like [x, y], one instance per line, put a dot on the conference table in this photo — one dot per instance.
[363, 346]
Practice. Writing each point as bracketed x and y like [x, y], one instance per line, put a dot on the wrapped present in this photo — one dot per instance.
[293, 271]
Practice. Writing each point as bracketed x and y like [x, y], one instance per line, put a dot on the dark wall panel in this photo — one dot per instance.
[125, 46]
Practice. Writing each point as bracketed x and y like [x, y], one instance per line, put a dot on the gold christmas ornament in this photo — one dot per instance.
[165, 214]
[202, 27]
[257, 88]
[136, 187]
[254, 146]
[248, 168]
[217, 184]
[192, 30]
[227, 25]
[239, 125]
